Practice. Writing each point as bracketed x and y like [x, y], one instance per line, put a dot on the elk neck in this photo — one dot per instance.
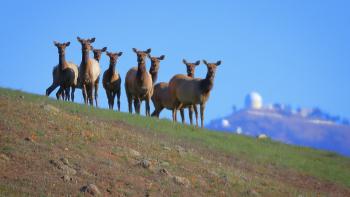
[141, 71]
[62, 61]
[112, 67]
[154, 72]
[84, 58]
[207, 83]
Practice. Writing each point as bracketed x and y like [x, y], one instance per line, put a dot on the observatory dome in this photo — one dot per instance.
[253, 101]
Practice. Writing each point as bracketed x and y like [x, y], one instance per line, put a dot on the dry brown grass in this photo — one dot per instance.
[34, 136]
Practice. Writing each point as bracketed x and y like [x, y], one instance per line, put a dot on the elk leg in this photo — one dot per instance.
[91, 95]
[182, 116]
[118, 99]
[83, 89]
[60, 93]
[112, 98]
[148, 110]
[96, 90]
[72, 93]
[129, 102]
[137, 105]
[196, 113]
[109, 99]
[67, 94]
[51, 88]
[202, 108]
[190, 114]
[174, 114]
[157, 111]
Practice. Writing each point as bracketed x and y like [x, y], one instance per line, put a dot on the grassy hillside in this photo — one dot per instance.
[55, 148]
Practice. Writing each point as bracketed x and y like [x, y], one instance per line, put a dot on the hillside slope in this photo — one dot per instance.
[51, 148]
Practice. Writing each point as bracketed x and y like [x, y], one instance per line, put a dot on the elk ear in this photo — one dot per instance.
[149, 56]
[218, 63]
[161, 57]
[205, 62]
[148, 50]
[104, 49]
[197, 63]
[120, 54]
[79, 39]
[107, 53]
[67, 43]
[184, 61]
[92, 40]
[135, 50]
[92, 48]
[55, 43]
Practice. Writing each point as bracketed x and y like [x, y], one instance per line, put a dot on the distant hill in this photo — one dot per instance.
[57, 148]
[313, 128]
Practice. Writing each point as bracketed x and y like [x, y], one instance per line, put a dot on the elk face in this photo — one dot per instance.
[211, 68]
[98, 52]
[190, 67]
[155, 62]
[113, 57]
[61, 47]
[141, 55]
[86, 44]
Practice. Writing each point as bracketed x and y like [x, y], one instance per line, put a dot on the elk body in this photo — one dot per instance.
[111, 80]
[138, 83]
[187, 91]
[89, 73]
[65, 75]
[162, 99]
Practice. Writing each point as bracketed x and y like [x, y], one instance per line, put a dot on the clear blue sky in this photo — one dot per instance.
[294, 51]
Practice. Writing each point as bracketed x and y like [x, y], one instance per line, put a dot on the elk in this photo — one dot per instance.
[65, 74]
[89, 72]
[111, 80]
[162, 99]
[138, 83]
[186, 91]
[190, 68]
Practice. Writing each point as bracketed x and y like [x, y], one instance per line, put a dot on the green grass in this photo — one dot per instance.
[321, 164]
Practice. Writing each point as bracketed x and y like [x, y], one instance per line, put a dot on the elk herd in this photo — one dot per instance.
[181, 92]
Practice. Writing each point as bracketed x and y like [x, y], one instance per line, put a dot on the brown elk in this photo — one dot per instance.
[190, 68]
[188, 91]
[111, 80]
[138, 83]
[65, 74]
[162, 99]
[89, 72]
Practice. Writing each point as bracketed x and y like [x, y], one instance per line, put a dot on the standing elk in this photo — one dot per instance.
[89, 72]
[186, 91]
[65, 75]
[138, 83]
[111, 80]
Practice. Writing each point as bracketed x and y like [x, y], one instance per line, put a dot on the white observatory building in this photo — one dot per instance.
[253, 101]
